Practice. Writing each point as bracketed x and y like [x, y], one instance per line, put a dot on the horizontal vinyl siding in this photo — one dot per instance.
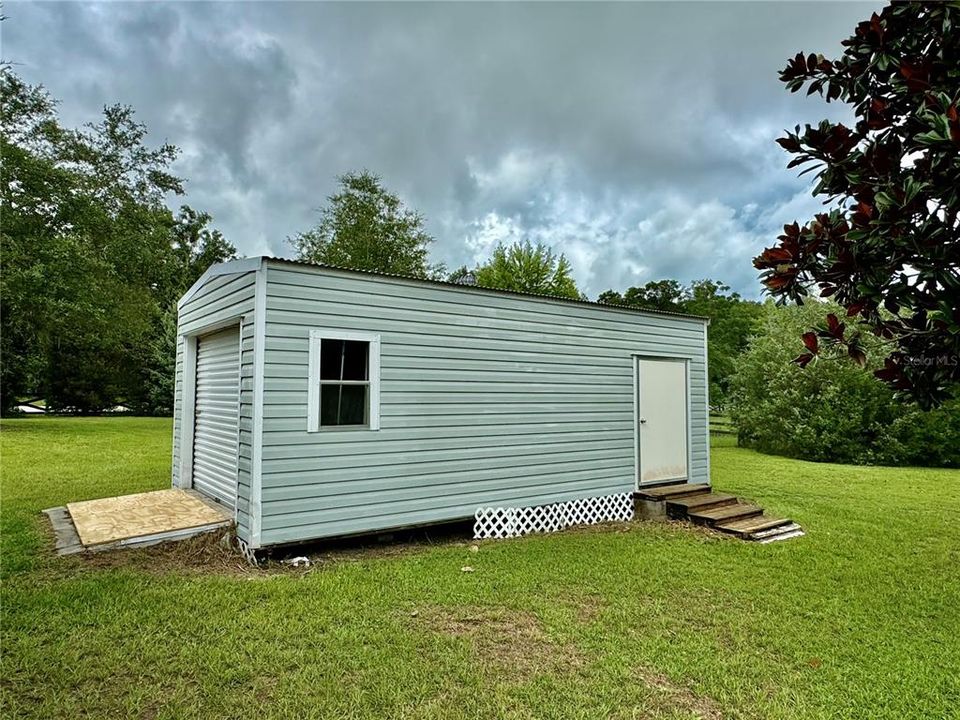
[486, 399]
[222, 299]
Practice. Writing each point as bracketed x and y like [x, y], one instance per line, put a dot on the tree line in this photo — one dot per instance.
[93, 258]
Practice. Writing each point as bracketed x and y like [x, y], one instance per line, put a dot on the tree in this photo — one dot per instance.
[194, 248]
[732, 319]
[89, 265]
[831, 411]
[460, 275]
[888, 252]
[524, 267]
[365, 227]
[667, 295]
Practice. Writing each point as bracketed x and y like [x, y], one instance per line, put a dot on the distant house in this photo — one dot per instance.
[320, 402]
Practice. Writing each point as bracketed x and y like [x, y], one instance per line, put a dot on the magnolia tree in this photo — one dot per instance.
[888, 247]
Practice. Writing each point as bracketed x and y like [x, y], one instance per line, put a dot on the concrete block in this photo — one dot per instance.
[650, 509]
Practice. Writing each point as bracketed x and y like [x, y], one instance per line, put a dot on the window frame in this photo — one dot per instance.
[318, 335]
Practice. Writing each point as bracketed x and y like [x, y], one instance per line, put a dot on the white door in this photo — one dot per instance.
[662, 420]
[217, 415]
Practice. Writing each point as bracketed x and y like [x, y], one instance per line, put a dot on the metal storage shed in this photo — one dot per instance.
[317, 401]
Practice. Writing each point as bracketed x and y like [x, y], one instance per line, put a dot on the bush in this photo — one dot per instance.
[924, 438]
[832, 410]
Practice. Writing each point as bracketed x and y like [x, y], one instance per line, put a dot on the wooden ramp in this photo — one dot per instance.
[722, 512]
[135, 520]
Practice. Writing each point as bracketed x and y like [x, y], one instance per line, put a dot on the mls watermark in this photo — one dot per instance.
[932, 360]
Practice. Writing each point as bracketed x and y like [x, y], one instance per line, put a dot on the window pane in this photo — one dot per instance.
[343, 359]
[355, 360]
[353, 405]
[329, 399]
[331, 359]
[343, 405]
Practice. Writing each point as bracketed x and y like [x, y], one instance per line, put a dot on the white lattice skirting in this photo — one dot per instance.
[513, 522]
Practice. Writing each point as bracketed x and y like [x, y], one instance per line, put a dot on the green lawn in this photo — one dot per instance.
[860, 619]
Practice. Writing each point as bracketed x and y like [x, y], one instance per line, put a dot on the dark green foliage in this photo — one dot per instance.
[460, 275]
[924, 438]
[365, 227]
[831, 411]
[732, 320]
[92, 257]
[525, 267]
[888, 251]
[158, 365]
[655, 295]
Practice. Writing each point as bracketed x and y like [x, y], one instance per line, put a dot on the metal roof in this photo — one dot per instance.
[482, 289]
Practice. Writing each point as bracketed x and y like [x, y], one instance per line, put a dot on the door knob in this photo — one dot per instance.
[643, 421]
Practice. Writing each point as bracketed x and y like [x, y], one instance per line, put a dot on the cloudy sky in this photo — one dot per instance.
[636, 138]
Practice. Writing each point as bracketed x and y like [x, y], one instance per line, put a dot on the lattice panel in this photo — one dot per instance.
[248, 553]
[513, 522]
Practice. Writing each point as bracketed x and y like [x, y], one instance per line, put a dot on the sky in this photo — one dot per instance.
[635, 138]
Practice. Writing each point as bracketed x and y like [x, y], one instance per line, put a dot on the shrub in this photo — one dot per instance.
[831, 411]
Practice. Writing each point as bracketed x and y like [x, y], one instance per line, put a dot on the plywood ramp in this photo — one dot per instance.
[124, 518]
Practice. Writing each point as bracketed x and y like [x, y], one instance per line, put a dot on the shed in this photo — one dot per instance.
[317, 402]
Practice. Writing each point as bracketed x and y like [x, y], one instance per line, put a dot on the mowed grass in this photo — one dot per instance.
[860, 619]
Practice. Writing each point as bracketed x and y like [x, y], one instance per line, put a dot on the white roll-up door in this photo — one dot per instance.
[217, 415]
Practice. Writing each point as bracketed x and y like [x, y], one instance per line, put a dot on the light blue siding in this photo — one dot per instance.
[219, 300]
[486, 399]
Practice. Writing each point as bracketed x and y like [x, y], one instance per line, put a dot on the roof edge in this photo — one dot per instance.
[482, 289]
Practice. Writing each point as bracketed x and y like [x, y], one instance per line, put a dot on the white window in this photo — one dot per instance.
[344, 390]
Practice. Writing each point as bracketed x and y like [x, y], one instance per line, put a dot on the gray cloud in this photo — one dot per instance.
[635, 138]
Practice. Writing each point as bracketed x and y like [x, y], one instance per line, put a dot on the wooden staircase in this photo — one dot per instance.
[719, 511]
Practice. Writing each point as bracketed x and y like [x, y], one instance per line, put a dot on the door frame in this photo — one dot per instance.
[638, 460]
[188, 401]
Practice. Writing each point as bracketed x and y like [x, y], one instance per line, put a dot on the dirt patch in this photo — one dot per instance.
[216, 553]
[585, 607]
[588, 608]
[508, 642]
[210, 553]
[676, 696]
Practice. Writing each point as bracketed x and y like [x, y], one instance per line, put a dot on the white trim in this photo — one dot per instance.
[259, 364]
[686, 389]
[188, 409]
[636, 422]
[706, 394]
[313, 388]
[231, 267]
[236, 487]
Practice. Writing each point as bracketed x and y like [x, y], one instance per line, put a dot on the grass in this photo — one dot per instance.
[859, 619]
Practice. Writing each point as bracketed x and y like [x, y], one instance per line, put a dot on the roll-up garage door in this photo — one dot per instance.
[217, 415]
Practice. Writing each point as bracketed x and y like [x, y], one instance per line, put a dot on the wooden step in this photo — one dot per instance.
[679, 507]
[744, 528]
[664, 492]
[724, 513]
[783, 532]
